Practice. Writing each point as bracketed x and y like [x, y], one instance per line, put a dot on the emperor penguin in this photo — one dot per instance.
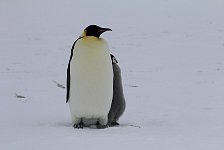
[90, 79]
[118, 102]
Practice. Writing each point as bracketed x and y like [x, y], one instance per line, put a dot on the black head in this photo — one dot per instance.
[113, 59]
[94, 30]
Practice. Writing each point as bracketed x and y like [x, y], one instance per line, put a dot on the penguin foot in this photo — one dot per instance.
[100, 126]
[114, 124]
[78, 126]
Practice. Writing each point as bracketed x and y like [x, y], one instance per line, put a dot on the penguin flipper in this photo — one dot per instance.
[68, 82]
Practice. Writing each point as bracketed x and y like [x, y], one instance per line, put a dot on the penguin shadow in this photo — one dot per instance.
[150, 123]
[121, 125]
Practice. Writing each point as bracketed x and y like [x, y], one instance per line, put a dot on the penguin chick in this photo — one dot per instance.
[90, 79]
[118, 102]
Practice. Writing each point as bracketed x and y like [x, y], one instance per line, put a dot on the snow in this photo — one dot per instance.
[172, 60]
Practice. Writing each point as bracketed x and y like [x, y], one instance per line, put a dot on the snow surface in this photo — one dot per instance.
[171, 53]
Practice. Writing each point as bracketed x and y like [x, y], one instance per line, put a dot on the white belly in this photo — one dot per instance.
[91, 87]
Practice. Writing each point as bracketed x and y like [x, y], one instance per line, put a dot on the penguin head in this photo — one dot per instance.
[113, 59]
[94, 30]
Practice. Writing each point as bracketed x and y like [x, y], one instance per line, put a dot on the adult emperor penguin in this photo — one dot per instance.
[118, 102]
[90, 79]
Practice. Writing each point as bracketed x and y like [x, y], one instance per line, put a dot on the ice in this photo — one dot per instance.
[171, 54]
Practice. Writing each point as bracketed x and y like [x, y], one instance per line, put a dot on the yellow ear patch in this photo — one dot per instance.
[83, 34]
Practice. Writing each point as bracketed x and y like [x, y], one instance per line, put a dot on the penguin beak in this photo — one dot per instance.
[104, 30]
